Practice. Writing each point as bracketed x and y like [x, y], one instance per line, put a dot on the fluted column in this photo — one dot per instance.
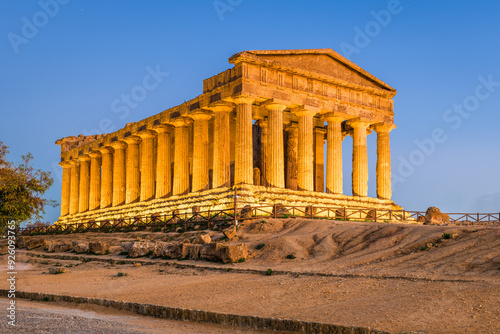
[275, 157]
[163, 163]
[263, 152]
[66, 186]
[243, 141]
[181, 156]
[305, 156]
[74, 187]
[319, 159]
[384, 190]
[200, 151]
[359, 158]
[118, 172]
[222, 147]
[147, 165]
[334, 155]
[291, 156]
[132, 169]
[106, 177]
[95, 180]
[84, 189]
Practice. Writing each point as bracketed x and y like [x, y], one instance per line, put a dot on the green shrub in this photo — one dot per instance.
[269, 272]
[260, 246]
[446, 236]
[290, 256]
[120, 274]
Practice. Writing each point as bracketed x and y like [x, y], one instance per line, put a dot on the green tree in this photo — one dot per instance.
[21, 190]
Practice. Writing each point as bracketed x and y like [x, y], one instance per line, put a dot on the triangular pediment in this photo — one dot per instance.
[321, 61]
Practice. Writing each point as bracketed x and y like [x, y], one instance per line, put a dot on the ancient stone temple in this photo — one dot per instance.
[260, 126]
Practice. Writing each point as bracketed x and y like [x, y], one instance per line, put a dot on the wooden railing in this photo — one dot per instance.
[222, 218]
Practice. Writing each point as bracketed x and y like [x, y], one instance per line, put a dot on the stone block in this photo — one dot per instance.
[58, 270]
[204, 239]
[230, 232]
[4, 250]
[211, 251]
[80, 247]
[22, 241]
[141, 248]
[63, 246]
[194, 251]
[35, 243]
[233, 253]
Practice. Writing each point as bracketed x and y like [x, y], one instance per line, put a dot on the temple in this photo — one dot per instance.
[260, 126]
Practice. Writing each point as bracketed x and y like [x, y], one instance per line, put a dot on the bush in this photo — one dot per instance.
[269, 272]
[446, 236]
[260, 246]
[120, 274]
[290, 256]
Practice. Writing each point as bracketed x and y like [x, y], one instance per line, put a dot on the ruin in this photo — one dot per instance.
[259, 126]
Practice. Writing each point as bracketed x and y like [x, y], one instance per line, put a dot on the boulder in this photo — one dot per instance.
[203, 239]
[141, 248]
[279, 209]
[35, 243]
[63, 246]
[22, 241]
[126, 246]
[158, 248]
[230, 232]
[99, 247]
[246, 212]
[80, 247]
[233, 253]
[210, 251]
[58, 270]
[434, 216]
[194, 251]
[185, 249]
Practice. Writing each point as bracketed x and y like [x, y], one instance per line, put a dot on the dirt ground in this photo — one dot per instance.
[392, 277]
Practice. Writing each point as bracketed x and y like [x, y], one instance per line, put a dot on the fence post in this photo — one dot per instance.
[345, 213]
[274, 210]
[376, 215]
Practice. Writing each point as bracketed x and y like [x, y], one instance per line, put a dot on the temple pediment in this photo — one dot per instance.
[324, 62]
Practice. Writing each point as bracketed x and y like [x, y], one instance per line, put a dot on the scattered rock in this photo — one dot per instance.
[22, 241]
[230, 232]
[246, 212]
[194, 251]
[126, 246]
[49, 245]
[35, 243]
[4, 250]
[172, 250]
[136, 264]
[159, 248]
[279, 209]
[63, 246]
[421, 219]
[99, 247]
[203, 239]
[233, 253]
[58, 270]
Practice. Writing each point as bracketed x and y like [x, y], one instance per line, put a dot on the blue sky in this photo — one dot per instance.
[64, 63]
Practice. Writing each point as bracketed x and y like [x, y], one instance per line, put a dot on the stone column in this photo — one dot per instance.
[132, 169]
[222, 147]
[181, 156]
[74, 187]
[291, 156]
[275, 164]
[163, 163]
[200, 151]
[243, 141]
[106, 177]
[119, 172]
[95, 180]
[305, 156]
[66, 186]
[334, 155]
[147, 165]
[83, 194]
[263, 153]
[359, 158]
[319, 159]
[384, 190]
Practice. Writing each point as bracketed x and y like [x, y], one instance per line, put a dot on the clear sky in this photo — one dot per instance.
[66, 65]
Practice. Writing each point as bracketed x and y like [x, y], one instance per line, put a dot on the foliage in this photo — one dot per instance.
[21, 189]
[446, 236]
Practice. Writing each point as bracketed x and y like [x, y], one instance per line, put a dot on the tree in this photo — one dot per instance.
[21, 190]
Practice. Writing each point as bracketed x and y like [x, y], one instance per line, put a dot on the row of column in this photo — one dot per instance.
[112, 176]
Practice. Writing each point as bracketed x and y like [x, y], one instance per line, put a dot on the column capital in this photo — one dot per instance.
[359, 122]
[319, 129]
[335, 116]
[106, 149]
[95, 154]
[65, 164]
[243, 100]
[181, 121]
[383, 127]
[84, 157]
[132, 139]
[221, 107]
[146, 134]
[162, 128]
[306, 111]
[275, 106]
[201, 116]
[118, 145]
[74, 162]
